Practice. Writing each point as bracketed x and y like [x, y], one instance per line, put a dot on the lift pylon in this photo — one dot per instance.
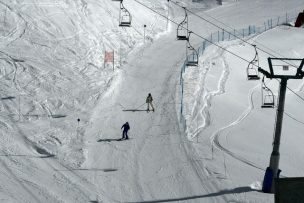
[283, 69]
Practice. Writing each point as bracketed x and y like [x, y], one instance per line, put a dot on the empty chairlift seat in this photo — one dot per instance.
[268, 101]
[125, 17]
[182, 28]
[267, 96]
[192, 59]
[252, 73]
[252, 68]
[191, 54]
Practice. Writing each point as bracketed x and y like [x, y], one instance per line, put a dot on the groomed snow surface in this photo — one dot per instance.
[52, 74]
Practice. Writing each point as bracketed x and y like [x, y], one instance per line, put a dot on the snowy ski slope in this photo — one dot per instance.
[52, 74]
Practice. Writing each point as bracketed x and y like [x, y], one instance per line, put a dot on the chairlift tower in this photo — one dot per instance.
[283, 69]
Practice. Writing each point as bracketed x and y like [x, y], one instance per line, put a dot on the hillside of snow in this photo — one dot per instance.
[62, 108]
[52, 66]
[227, 122]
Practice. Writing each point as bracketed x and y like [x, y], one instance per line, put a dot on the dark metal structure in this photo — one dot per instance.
[273, 171]
[300, 20]
[182, 28]
[289, 190]
[252, 72]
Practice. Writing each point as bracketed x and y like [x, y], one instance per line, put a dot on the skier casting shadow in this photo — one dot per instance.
[149, 102]
[125, 127]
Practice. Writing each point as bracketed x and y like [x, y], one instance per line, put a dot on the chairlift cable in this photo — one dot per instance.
[295, 93]
[228, 26]
[208, 21]
[290, 116]
[194, 32]
[224, 49]
[293, 118]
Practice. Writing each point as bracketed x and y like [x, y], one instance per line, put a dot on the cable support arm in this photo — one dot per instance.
[264, 72]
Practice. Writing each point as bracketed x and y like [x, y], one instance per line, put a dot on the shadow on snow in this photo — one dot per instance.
[109, 140]
[222, 192]
[89, 169]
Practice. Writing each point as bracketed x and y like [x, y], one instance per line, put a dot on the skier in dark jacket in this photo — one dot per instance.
[125, 127]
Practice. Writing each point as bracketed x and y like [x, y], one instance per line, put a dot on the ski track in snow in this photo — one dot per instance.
[81, 188]
[42, 177]
[197, 166]
[204, 112]
[216, 136]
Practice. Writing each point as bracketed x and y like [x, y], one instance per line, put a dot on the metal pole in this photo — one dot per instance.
[182, 96]
[120, 52]
[145, 33]
[4, 17]
[286, 18]
[187, 45]
[271, 23]
[275, 155]
[104, 61]
[168, 15]
[272, 172]
[19, 108]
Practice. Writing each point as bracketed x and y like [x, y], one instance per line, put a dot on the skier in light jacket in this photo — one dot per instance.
[149, 102]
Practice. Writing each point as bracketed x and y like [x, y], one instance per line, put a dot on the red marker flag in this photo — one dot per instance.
[109, 56]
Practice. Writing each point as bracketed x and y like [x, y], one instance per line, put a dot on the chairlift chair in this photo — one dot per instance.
[267, 96]
[192, 59]
[268, 101]
[124, 16]
[182, 28]
[252, 72]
